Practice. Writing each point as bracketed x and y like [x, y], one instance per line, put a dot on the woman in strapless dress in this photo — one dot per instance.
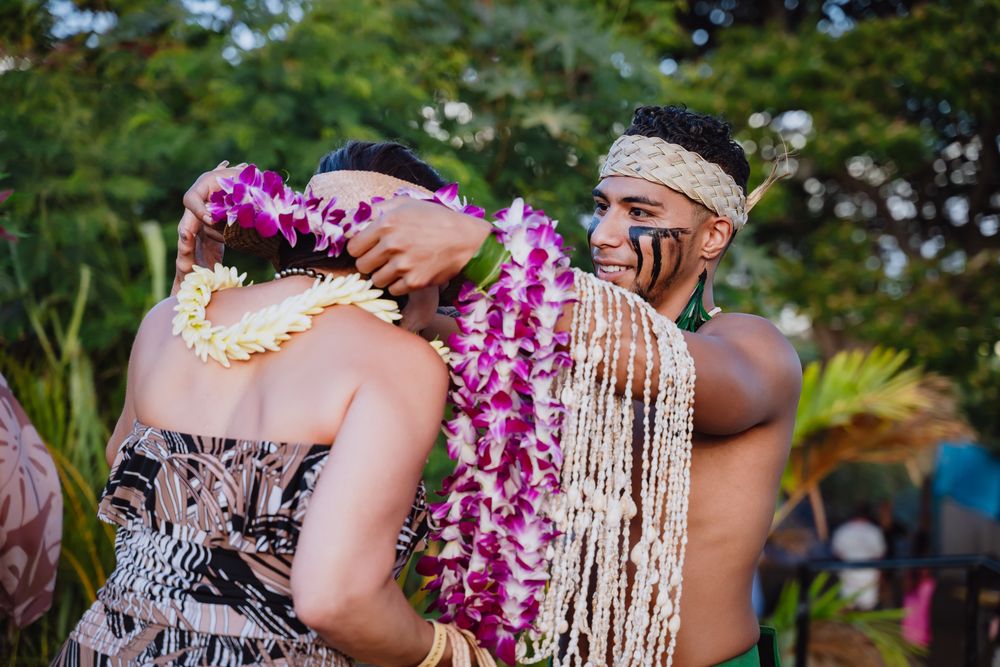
[264, 509]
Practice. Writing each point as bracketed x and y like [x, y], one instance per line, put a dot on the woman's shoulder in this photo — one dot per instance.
[388, 347]
[156, 320]
[164, 309]
[350, 338]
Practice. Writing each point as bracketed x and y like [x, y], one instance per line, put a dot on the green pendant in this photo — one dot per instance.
[694, 313]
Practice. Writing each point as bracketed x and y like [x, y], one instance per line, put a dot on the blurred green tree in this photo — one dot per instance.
[888, 232]
[113, 108]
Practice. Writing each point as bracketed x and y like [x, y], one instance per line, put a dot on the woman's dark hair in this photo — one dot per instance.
[708, 136]
[384, 157]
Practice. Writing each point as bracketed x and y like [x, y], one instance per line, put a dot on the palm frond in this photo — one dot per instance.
[865, 407]
[855, 383]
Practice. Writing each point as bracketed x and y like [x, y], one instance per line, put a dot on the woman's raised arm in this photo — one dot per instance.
[342, 584]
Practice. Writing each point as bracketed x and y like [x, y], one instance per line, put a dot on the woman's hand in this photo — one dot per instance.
[198, 243]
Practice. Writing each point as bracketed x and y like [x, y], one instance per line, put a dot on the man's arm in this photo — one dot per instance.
[197, 245]
[414, 244]
[747, 373]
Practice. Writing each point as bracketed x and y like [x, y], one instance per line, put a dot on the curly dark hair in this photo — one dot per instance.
[706, 135]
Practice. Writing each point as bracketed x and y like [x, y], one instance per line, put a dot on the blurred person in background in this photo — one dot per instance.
[859, 539]
[31, 507]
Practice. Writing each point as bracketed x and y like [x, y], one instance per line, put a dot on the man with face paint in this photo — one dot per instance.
[671, 196]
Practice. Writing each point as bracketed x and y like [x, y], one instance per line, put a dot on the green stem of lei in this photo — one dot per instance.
[484, 267]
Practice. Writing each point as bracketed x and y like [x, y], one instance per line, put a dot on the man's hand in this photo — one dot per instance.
[413, 244]
[197, 242]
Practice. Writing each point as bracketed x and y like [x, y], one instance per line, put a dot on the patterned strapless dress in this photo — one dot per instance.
[206, 536]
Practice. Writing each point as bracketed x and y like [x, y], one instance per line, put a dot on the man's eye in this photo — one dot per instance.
[638, 212]
[600, 207]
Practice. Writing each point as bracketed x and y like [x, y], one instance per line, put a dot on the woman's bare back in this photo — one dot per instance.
[228, 499]
[299, 394]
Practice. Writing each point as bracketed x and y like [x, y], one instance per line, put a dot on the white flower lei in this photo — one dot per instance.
[267, 328]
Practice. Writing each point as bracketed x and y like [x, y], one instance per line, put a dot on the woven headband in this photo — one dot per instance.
[353, 187]
[658, 161]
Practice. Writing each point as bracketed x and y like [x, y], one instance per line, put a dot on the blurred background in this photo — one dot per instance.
[879, 256]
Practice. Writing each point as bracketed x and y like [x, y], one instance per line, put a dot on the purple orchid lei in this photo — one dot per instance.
[504, 432]
[504, 435]
[262, 201]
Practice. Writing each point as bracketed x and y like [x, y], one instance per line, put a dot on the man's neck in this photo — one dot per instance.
[677, 298]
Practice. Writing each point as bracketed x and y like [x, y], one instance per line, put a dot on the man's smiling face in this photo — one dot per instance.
[645, 237]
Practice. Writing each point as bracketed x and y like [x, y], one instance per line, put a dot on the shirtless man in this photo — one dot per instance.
[656, 241]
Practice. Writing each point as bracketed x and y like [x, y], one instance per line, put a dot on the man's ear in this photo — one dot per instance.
[718, 231]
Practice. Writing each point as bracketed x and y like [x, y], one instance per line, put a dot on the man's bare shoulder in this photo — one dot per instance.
[745, 326]
[762, 343]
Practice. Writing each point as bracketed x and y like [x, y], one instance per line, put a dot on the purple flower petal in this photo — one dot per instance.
[448, 193]
[245, 215]
[250, 175]
[363, 213]
[266, 225]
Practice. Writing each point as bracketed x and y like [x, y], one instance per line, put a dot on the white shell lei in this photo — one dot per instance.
[591, 599]
[267, 328]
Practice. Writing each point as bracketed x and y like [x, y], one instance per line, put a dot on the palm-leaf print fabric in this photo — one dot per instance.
[30, 516]
[207, 529]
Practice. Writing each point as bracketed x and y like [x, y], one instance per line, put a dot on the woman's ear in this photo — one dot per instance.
[420, 309]
[718, 232]
[450, 291]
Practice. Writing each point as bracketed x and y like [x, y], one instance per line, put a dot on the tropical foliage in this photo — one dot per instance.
[864, 406]
[886, 234]
[889, 233]
[840, 635]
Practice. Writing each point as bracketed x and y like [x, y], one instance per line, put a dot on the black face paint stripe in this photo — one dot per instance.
[591, 228]
[656, 235]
